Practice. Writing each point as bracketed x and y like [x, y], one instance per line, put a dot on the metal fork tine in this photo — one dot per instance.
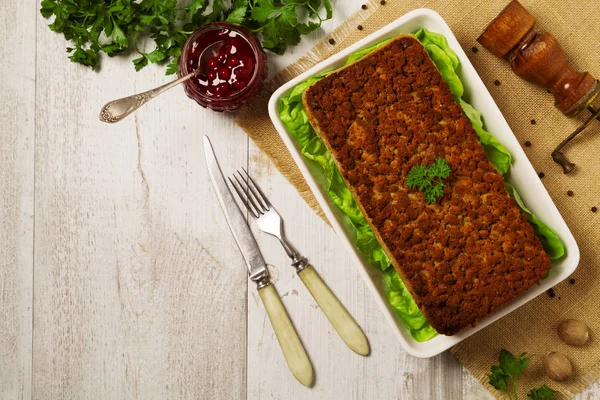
[264, 197]
[254, 193]
[250, 196]
[250, 208]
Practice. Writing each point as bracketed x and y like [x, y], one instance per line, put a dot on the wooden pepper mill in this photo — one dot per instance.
[538, 58]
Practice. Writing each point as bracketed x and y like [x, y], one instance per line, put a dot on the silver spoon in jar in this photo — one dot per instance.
[116, 110]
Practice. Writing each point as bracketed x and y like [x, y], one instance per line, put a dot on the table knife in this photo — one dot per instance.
[291, 346]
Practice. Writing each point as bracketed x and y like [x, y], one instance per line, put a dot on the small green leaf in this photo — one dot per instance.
[417, 174]
[288, 14]
[542, 393]
[499, 379]
[328, 9]
[147, 19]
[118, 36]
[156, 56]
[173, 67]
[112, 49]
[305, 29]
[140, 63]
[511, 364]
[439, 169]
[88, 57]
[237, 15]
[197, 5]
[264, 11]
[48, 8]
[116, 8]
[217, 10]
[427, 179]
[432, 193]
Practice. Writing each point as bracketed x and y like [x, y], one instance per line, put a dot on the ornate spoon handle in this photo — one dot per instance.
[116, 110]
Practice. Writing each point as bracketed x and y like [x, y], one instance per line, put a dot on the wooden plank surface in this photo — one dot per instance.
[139, 291]
[17, 114]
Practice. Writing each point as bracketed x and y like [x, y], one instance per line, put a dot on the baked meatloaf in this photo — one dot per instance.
[472, 251]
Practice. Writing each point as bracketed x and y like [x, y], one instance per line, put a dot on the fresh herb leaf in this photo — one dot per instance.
[172, 67]
[111, 26]
[305, 29]
[237, 14]
[428, 179]
[264, 11]
[511, 364]
[504, 375]
[140, 63]
[197, 5]
[156, 56]
[439, 169]
[85, 57]
[328, 9]
[432, 194]
[543, 393]
[47, 8]
[118, 36]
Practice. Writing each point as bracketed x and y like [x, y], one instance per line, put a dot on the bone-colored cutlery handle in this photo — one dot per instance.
[291, 346]
[335, 311]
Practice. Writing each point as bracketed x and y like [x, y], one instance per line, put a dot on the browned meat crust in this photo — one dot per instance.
[463, 257]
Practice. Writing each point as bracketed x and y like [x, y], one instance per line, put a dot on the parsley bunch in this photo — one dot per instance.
[428, 179]
[115, 26]
[504, 376]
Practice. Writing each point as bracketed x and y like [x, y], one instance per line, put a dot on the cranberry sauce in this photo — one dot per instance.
[226, 64]
[230, 66]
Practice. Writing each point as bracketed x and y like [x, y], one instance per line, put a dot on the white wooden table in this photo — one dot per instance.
[118, 276]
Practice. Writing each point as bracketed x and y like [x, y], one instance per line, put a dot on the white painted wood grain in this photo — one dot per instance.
[139, 292]
[17, 116]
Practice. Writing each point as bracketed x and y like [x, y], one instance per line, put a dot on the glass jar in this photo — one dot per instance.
[231, 66]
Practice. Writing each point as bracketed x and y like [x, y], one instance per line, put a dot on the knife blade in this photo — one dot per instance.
[238, 225]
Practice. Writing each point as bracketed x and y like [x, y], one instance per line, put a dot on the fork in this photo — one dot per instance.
[269, 221]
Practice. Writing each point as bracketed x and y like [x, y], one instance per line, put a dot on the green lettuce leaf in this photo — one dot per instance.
[295, 119]
[369, 247]
[550, 240]
[361, 53]
[498, 155]
[431, 38]
[405, 306]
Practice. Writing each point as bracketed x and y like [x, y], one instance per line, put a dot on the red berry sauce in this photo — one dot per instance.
[230, 66]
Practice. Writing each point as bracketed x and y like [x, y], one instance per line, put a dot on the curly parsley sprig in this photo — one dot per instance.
[428, 179]
[114, 26]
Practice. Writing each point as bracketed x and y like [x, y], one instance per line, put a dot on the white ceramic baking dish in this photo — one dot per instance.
[522, 176]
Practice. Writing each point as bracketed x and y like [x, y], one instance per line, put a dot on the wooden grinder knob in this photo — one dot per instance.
[538, 58]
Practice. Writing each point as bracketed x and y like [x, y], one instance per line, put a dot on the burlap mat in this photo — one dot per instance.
[532, 116]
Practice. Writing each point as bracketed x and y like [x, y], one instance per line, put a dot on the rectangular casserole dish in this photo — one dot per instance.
[522, 176]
